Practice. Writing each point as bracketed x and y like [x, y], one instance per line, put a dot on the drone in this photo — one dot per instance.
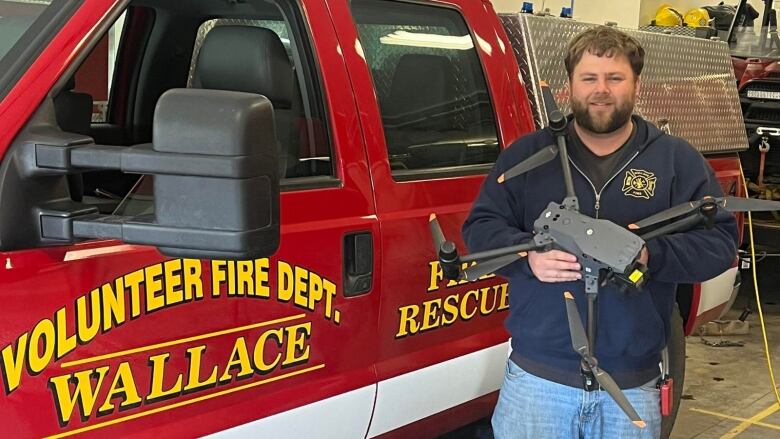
[607, 252]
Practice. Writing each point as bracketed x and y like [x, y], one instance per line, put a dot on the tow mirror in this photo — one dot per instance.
[214, 161]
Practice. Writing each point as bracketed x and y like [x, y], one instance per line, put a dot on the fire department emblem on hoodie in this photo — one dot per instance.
[639, 184]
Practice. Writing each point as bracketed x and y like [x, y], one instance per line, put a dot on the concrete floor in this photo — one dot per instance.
[727, 391]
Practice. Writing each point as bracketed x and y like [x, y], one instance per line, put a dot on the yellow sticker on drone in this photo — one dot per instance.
[635, 276]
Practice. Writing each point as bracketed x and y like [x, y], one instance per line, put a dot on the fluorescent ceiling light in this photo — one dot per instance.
[404, 38]
[34, 2]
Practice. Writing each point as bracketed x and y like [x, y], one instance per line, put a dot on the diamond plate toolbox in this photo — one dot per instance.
[687, 85]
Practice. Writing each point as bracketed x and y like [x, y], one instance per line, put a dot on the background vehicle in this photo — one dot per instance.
[335, 315]
[755, 51]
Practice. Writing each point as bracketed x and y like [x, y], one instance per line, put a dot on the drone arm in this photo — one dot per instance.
[681, 225]
[496, 253]
[693, 255]
[699, 254]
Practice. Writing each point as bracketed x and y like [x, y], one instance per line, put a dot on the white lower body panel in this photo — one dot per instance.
[400, 401]
[416, 395]
[717, 291]
[341, 416]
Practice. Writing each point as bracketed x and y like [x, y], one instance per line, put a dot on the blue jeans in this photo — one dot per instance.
[532, 407]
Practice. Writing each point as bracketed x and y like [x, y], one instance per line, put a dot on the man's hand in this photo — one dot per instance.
[644, 256]
[554, 266]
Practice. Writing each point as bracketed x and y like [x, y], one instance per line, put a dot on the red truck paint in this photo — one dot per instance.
[166, 363]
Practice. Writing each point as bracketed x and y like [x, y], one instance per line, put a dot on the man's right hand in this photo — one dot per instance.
[554, 266]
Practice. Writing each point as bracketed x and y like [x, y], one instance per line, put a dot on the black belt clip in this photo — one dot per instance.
[589, 382]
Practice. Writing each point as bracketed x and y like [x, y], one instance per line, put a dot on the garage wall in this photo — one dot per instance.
[514, 5]
[623, 12]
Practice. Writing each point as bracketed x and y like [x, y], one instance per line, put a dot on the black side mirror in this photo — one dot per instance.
[216, 185]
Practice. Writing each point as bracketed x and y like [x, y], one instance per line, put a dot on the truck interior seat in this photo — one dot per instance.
[417, 115]
[73, 111]
[253, 60]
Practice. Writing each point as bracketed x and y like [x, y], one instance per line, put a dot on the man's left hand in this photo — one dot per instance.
[644, 256]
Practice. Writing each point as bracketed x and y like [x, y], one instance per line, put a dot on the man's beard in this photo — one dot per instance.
[617, 119]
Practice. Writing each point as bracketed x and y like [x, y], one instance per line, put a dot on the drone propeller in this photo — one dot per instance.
[445, 250]
[538, 159]
[436, 232]
[579, 341]
[557, 123]
[731, 204]
[555, 118]
[740, 204]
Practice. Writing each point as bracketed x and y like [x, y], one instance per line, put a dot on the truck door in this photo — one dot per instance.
[110, 339]
[432, 134]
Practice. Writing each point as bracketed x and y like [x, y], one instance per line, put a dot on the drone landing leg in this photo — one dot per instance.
[592, 321]
[592, 291]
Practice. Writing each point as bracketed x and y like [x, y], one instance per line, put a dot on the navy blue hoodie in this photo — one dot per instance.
[632, 327]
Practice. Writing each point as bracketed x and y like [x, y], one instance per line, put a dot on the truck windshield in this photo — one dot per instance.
[755, 42]
[754, 32]
[16, 19]
[25, 27]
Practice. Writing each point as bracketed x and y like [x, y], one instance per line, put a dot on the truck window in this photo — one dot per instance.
[94, 76]
[17, 19]
[25, 27]
[431, 89]
[301, 126]
[291, 83]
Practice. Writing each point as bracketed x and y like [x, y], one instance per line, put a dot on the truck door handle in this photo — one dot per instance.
[358, 263]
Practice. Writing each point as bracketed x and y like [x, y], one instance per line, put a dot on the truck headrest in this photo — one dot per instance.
[248, 59]
[70, 84]
[403, 98]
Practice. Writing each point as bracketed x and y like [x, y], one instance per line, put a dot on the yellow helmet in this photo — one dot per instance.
[697, 17]
[667, 16]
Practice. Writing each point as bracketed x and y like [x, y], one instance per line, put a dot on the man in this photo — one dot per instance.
[625, 169]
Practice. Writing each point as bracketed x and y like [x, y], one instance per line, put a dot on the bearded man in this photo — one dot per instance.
[626, 170]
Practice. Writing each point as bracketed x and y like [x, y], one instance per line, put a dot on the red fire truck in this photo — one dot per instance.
[215, 214]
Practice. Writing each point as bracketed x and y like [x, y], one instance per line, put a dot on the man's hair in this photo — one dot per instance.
[605, 41]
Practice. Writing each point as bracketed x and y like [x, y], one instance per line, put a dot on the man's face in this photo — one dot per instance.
[603, 92]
